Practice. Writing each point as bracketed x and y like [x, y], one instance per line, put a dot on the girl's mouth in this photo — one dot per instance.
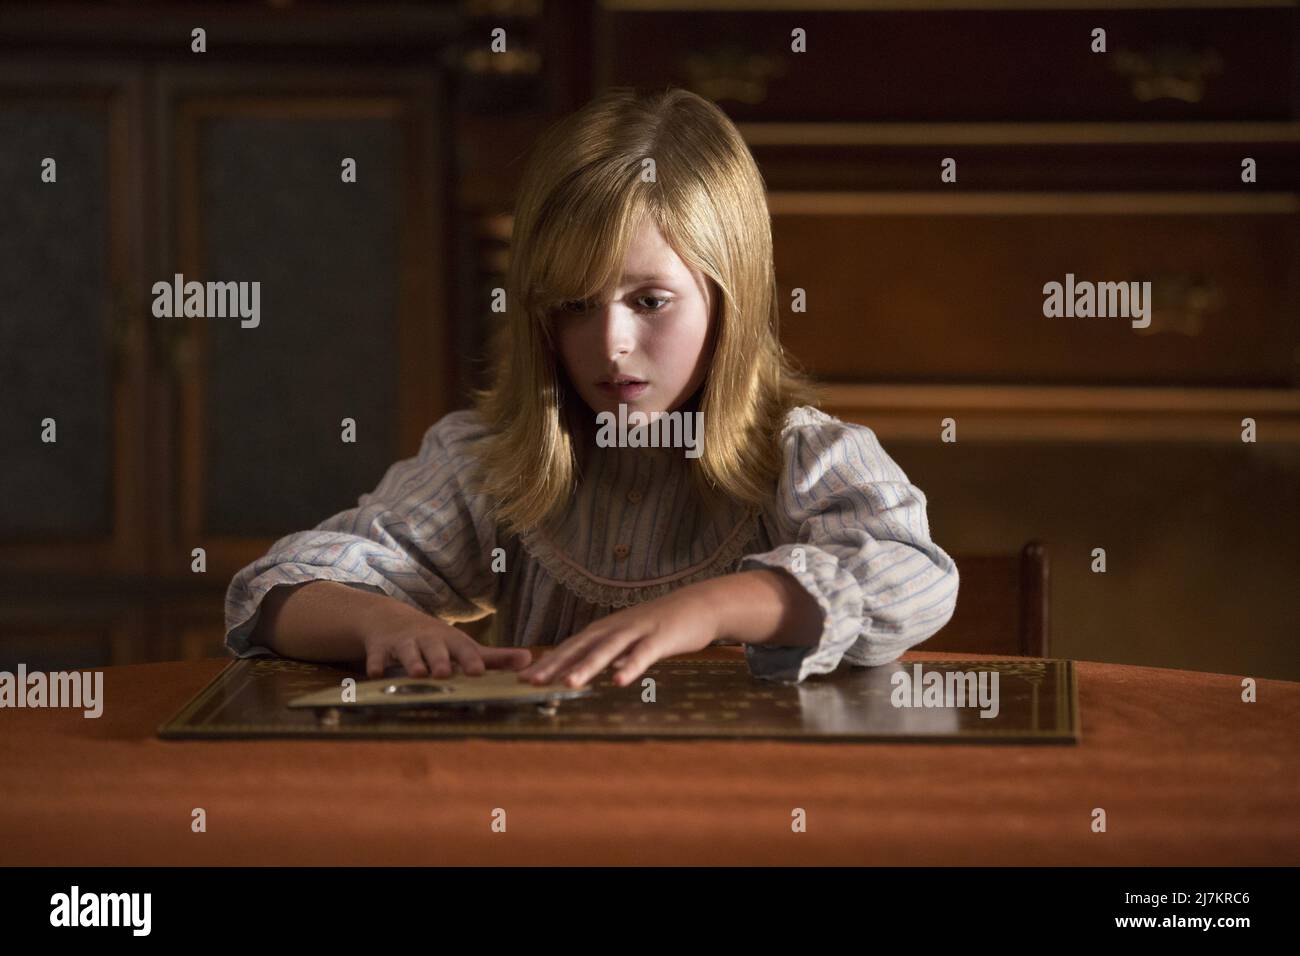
[623, 390]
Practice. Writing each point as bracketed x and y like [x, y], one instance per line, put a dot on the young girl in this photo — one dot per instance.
[641, 275]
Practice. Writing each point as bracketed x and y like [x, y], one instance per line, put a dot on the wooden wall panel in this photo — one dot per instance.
[953, 292]
[1200, 540]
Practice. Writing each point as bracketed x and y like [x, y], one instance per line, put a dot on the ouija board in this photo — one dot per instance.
[1026, 702]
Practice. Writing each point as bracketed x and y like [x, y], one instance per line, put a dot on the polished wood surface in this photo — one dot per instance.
[1187, 773]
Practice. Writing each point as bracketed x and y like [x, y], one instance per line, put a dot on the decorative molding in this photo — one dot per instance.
[1067, 413]
[886, 203]
[904, 6]
[118, 27]
[1026, 134]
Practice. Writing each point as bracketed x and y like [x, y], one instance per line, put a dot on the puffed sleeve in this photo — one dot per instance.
[853, 532]
[420, 537]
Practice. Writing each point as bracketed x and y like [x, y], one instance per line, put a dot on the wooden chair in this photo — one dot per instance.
[1001, 606]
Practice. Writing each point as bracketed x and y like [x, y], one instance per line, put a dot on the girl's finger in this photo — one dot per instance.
[634, 663]
[556, 669]
[376, 658]
[435, 654]
[599, 657]
[531, 670]
[546, 658]
[549, 666]
[467, 656]
[408, 655]
[514, 658]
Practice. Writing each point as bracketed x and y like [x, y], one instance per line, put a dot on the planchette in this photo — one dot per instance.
[490, 689]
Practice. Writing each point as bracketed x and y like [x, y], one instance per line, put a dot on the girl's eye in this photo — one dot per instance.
[657, 298]
[579, 306]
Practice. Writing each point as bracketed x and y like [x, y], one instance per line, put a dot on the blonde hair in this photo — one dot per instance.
[581, 199]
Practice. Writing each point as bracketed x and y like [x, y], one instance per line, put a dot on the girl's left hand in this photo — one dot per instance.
[631, 639]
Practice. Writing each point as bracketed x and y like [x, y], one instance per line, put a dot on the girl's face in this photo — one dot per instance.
[657, 330]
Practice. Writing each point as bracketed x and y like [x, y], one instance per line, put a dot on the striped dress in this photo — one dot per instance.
[844, 521]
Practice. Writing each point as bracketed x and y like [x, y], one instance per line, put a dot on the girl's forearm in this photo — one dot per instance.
[766, 606]
[320, 620]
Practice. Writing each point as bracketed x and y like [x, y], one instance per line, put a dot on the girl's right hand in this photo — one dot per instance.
[425, 645]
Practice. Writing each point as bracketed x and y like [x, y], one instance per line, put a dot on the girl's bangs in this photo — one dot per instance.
[579, 253]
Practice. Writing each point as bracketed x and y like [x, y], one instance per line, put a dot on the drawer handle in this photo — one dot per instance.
[1182, 302]
[1168, 71]
[730, 72]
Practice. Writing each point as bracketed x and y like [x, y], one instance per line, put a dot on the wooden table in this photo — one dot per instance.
[1188, 775]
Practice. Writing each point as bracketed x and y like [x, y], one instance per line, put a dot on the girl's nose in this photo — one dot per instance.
[619, 330]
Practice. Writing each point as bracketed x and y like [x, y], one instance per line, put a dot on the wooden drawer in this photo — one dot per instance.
[961, 65]
[948, 289]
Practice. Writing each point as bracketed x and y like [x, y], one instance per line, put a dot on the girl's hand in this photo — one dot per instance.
[425, 645]
[631, 639]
